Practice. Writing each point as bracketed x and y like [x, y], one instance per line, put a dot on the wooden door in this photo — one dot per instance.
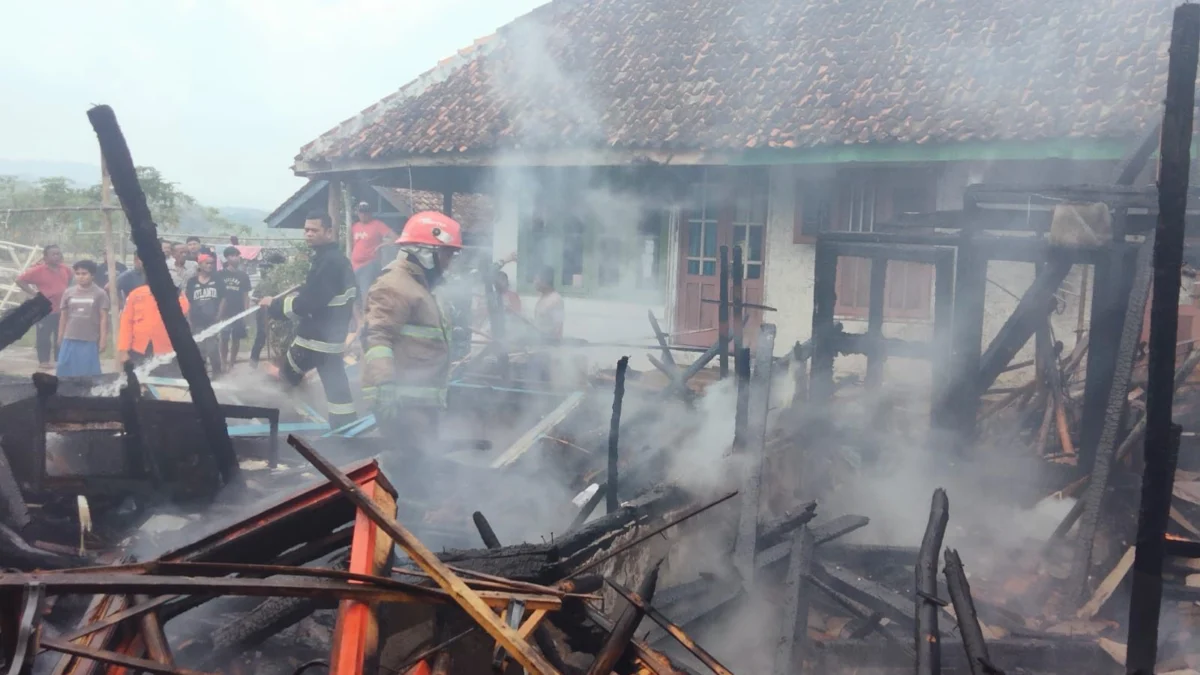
[733, 215]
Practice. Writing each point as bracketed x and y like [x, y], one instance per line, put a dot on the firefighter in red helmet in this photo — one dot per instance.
[407, 362]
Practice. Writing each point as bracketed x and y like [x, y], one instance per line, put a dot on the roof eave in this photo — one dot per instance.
[561, 157]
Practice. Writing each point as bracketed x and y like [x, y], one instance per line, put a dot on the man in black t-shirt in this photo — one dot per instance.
[203, 292]
[235, 288]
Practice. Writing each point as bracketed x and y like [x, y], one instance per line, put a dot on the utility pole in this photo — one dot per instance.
[114, 300]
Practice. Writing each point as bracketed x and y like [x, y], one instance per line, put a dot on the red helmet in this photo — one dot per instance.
[430, 228]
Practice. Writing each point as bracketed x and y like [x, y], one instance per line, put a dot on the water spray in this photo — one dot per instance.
[162, 359]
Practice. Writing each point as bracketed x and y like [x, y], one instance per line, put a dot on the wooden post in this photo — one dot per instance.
[723, 313]
[875, 301]
[824, 347]
[928, 638]
[1162, 435]
[114, 298]
[614, 431]
[145, 236]
[754, 439]
[792, 645]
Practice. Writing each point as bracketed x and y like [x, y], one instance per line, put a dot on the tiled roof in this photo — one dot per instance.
[472, 211]
[727, 75]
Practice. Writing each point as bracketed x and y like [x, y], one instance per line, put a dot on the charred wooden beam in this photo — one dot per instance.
[145, 236]
[877, 353]
[661, 337]
[1112, 424]
[759, 399]
[113, 658]
[614, 431]
[741, 370]
[625, 627]
[970, 299]
[738, 272]
[1030, 312]
[824, 338]
[470, 601]
[637, 600]
[792, 645]
[1066, 655]
[486, 533]
[723, 312]
[968, 620]
[822, 534]
[928, 638]
[652, 533]
[777, 531]
[1162, 434]
[17, 323]
[864, 615]
[14, 512]
[655, 660]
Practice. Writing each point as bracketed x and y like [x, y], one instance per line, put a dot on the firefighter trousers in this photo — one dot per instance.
[332, 371]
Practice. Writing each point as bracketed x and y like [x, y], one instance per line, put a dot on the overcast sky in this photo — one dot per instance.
[218, 94]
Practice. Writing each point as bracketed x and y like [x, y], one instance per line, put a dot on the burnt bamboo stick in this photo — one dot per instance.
[18, 322]
[614, 431]
[144, 232]
[968, 619]
[1162, 434]
[928, 639]
[723, 313]
[685, 640]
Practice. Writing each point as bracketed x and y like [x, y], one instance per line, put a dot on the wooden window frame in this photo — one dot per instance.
[883, 184]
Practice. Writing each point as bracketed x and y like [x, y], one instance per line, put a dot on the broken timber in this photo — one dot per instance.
[1162, 434]
[968, 619]
[637, 600]
[16, 323]
[928, 639]
[468, 599]
[614, 431]
[759, 399]
[144, 232]
[527, 441]
[793, 628]
[622, 632]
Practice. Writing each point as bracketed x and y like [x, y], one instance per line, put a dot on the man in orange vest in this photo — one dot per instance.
[141, 333]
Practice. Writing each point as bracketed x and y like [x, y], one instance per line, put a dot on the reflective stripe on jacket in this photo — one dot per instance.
[323, 306]
[408, 343]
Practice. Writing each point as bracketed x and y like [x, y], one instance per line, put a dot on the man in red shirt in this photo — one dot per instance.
[50, 278]
[368, 233]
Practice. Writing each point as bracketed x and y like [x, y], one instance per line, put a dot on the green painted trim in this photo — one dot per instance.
[1066, 148]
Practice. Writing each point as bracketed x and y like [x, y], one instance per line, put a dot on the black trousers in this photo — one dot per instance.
[46, 338]
[332, 371]
[261, 328]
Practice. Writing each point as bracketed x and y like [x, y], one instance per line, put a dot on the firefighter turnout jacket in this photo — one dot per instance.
[324, 305]
[408, 342]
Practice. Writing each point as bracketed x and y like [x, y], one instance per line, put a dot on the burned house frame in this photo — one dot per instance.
[1006, 223]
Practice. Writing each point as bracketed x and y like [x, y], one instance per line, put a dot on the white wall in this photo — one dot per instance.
[788, 269]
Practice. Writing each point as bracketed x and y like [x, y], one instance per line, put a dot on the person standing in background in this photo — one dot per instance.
[51, 278]
[203, 293]
[83, 324]
[130, 279]
[195, 249]
[180, 267]
[235, 289]
[368, 234]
